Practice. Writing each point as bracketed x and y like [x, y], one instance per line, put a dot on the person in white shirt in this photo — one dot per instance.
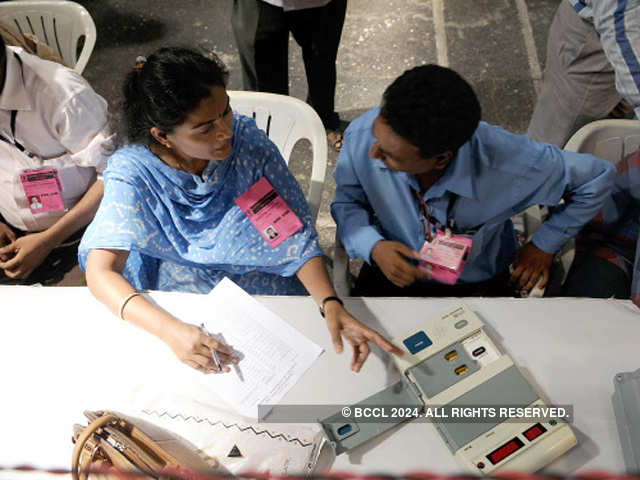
[53, 129]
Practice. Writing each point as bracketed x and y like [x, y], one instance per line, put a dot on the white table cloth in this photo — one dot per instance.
[62, 352]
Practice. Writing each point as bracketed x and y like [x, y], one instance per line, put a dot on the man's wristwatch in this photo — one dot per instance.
[328, 299]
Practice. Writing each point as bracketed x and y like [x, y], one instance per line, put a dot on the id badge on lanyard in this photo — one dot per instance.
[42, 187]
[43, 190]
[269, 213]
[445, 255]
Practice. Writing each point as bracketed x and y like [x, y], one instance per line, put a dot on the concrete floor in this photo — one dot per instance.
[498, 45]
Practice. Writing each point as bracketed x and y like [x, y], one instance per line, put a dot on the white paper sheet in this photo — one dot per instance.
[274, 355]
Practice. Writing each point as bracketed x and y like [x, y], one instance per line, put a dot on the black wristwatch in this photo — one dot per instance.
[328, 299]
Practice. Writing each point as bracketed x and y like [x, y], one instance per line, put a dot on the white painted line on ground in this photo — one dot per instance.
[530, 45]
[441, 36]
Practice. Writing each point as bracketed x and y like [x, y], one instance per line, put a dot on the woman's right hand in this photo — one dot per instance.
[190, 343]
[193, 347]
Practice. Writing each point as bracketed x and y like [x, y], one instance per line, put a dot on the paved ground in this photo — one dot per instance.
[498, 45]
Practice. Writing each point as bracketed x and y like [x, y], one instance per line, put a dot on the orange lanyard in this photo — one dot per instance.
[425, 208]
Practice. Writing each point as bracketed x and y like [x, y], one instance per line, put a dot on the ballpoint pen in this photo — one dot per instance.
[214, 354]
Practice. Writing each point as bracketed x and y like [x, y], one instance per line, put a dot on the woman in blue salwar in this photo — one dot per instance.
[169, 221]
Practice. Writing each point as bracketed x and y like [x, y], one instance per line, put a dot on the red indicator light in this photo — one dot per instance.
[480, 465]
[534, 432]
[505, 450]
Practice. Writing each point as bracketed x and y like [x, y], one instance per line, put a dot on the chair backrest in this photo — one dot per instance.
[286, 120]
[607, 139]
[59, 24]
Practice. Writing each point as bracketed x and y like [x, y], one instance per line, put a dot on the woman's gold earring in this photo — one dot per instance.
[168, 145]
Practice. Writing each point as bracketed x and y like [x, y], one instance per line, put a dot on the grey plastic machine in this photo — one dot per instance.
[626, 405]
[451, 363]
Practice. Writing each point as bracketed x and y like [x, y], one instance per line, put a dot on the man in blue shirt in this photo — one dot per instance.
[424, 160]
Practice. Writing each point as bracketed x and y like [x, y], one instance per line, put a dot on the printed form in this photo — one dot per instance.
[273, 355]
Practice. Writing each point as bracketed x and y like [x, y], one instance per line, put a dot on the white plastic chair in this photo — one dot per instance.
[607, 139]
[286, 120]
[59, 24]
[341, 274]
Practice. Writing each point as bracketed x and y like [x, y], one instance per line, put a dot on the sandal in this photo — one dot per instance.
[335, 139]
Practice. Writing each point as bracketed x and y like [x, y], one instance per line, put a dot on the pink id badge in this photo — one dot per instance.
[43, 190]
[269, 213]
[445, 257]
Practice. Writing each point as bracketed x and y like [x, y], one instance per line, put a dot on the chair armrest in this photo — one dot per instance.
[341, 269]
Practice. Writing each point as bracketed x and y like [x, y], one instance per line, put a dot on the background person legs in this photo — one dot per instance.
[262, 38]
[318, 32]
[262, 31]
[578, 84]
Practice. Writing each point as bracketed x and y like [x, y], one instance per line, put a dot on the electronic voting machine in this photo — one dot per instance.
[451, 364]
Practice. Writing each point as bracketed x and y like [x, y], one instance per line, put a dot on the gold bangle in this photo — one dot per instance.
[124, 302]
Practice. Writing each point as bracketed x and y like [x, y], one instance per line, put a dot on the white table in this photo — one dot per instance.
[62, 352]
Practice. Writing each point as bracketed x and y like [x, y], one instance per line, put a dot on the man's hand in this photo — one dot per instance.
[531, 263]
[391, 258]
[28, 253]
[6, 237]
[342, 324]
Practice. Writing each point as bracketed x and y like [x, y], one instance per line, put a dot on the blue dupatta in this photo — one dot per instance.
[185, 232]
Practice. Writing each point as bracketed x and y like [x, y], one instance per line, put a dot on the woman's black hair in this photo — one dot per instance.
[161, 91]
[433, 108]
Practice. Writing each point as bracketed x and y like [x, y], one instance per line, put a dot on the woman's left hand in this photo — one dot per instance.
[342, 324]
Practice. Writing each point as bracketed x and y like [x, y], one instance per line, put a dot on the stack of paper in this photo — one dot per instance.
[273, 354]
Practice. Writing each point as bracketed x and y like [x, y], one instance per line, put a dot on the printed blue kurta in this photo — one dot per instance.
[185, 232]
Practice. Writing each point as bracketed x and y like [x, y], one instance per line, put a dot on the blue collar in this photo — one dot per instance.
[457, 177]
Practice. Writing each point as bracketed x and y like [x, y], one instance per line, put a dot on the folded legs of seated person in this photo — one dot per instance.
[27, 258]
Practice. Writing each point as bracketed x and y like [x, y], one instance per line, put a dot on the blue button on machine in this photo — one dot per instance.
[417, 342]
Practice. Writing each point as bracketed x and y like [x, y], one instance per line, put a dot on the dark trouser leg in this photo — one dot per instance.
[318, 32]
[372, 282]
[262, 38]
[244, 22]
[595, 277]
